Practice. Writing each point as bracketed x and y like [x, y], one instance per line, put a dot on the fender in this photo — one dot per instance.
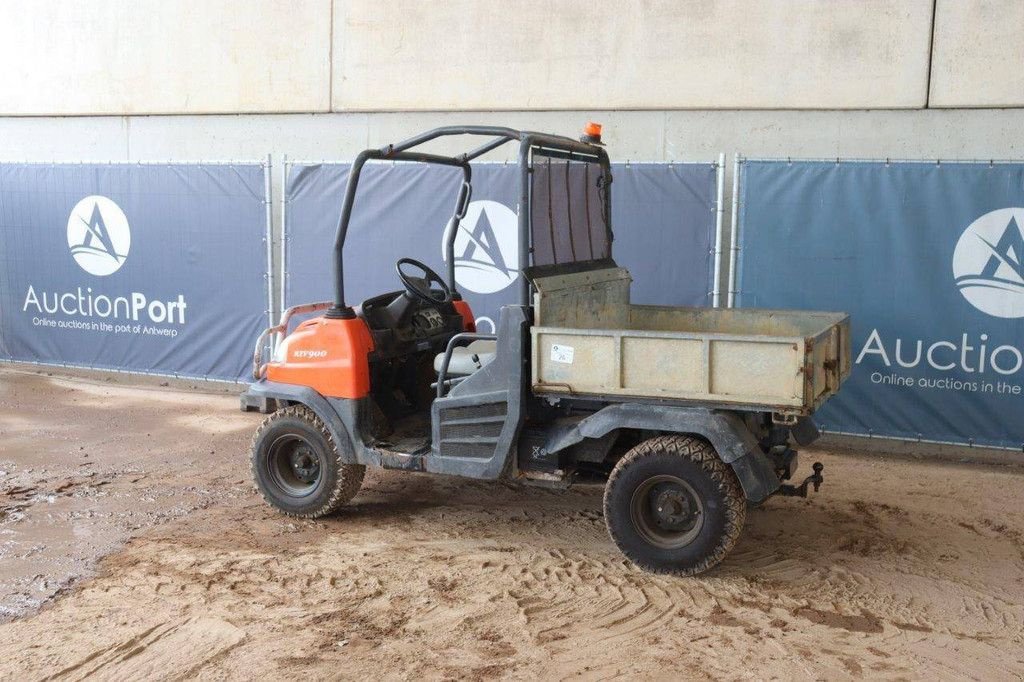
[260, 394]
[726, 432]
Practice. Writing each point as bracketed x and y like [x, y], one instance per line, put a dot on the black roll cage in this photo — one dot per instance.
[552, 145]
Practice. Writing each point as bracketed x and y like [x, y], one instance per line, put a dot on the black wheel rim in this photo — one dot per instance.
[294, 465]
[667, 512]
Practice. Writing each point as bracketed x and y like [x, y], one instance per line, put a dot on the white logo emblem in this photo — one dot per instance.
[98, 235]
[988, 263]
[309, 354]
[486, 247]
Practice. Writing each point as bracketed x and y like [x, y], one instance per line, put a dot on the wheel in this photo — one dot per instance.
[672, 506]
[297, 467]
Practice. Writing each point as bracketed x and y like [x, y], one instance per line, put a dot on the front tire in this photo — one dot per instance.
[672, 506]
[297, 466]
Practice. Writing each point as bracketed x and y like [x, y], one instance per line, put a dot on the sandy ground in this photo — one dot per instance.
[128, 515]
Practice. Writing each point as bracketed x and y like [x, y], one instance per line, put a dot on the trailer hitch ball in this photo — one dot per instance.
[816, 478]
[801, 490]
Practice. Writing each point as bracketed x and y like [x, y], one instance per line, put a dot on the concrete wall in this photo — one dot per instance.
[571, 54]
[67, 57]
[978, 57]
[164, 56]
[630, 135]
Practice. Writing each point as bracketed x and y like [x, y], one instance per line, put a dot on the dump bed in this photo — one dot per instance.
[588, 340]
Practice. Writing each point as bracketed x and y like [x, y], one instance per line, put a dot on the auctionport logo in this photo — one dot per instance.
[988, 263]
[99, 240]
[486, 247]
[98, 235]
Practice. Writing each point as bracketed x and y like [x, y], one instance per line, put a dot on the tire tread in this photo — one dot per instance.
[699, 451]
[350, 476]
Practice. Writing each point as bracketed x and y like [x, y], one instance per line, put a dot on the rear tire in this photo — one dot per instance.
[297, 466]
[672, 506]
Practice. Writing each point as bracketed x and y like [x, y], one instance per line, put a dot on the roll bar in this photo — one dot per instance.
[399, 151]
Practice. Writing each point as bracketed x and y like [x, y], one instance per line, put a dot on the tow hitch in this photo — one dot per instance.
[801, 490]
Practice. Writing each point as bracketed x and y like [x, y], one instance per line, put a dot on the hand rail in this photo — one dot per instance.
[259, 368]
[461, 336]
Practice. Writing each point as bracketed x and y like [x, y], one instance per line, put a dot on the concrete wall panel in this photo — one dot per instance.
[978, 58]
[164, 56]
[948, 134]
[66, 57]
[635, 54]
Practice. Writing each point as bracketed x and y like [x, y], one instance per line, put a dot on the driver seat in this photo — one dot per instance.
[468, 359]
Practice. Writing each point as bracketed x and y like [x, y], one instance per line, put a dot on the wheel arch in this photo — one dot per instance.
[724, 431]
[263, 392]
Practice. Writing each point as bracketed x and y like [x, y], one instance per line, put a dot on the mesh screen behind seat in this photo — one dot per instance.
[568, 212]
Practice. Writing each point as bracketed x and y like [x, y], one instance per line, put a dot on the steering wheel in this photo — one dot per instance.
[420, 286]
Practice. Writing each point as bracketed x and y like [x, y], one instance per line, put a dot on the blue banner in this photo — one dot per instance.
[927, 259]
[663, 217]
[138, 267]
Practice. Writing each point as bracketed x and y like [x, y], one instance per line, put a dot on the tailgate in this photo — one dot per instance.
[828, 362]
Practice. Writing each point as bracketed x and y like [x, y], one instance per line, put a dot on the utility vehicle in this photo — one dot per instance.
[688, 414]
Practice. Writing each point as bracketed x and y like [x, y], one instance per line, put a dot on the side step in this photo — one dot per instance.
[471, 430]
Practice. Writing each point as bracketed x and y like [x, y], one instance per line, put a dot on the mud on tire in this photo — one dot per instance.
[297, 466]
[672, 506]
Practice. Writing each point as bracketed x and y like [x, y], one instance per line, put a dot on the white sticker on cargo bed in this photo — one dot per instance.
[562, 353]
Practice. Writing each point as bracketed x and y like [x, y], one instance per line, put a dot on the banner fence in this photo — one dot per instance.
[927, 259]
[153, 268]
[666, 218]
[168, 268]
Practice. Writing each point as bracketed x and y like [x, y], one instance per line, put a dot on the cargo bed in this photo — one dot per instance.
[589, 341]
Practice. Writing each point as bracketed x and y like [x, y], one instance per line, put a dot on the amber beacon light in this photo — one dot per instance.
[591, 133]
